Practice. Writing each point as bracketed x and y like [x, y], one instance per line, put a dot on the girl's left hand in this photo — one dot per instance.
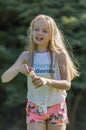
[39, 81]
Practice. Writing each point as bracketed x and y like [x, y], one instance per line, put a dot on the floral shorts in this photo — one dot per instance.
[56, 114]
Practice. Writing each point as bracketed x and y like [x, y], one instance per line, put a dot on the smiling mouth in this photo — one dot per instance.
[39, 39]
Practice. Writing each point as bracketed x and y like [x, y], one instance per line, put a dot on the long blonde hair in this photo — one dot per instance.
[56, 44]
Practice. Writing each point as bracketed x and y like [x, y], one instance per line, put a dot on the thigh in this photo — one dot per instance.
[58, 114]
[55, 127]
[36, 126]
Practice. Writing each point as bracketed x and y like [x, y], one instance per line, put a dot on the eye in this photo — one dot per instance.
[36, 29]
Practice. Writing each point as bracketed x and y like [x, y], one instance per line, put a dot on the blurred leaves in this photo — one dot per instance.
[15, 18]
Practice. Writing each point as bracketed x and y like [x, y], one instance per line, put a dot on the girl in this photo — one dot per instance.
[46, 53]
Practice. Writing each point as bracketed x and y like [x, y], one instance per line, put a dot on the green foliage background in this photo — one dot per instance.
[15, 17]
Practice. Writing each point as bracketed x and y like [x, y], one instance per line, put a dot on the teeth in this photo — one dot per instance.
[39, 38]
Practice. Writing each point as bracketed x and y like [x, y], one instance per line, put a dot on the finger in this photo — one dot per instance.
[39, 85]
[35, 79]
[36, 82]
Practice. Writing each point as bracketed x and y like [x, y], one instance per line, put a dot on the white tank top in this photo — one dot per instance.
[45, 96]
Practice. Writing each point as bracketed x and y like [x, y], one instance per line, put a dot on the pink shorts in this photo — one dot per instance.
[56, 114]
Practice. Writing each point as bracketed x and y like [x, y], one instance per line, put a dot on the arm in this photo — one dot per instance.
[64, 83]
[18, 66]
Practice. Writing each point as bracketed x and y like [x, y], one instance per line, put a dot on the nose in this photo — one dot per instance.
[40, 32]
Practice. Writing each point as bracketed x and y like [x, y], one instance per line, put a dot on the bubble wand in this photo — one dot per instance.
[30, 71]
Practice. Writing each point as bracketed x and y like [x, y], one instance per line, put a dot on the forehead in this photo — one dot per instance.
[41, 23]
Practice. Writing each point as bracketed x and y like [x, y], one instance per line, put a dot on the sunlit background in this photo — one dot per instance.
[15, 17]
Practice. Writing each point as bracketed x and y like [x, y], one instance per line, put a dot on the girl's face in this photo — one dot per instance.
[41, 33]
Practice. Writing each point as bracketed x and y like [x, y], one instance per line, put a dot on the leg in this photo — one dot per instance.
[58, 118]
[36, 126]
[54, 127]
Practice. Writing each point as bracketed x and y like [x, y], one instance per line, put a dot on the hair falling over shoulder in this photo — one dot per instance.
[56, 45]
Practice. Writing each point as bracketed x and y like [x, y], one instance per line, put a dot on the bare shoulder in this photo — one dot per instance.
[64, 65]
[25, 54]
[23, 57]
[62, 56]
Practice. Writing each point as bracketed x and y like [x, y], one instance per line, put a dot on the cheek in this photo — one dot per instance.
[48, 37]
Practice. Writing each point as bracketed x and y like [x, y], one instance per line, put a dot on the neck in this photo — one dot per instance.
[43, 49]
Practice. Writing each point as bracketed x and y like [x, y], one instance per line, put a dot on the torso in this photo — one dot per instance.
[45, 95]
